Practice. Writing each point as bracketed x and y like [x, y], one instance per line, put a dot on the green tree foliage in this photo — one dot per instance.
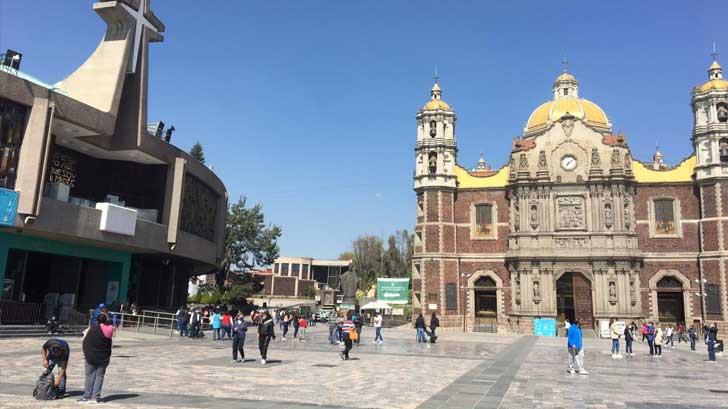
[197, 153]
[367, 260]
[249, 242]
[347, 255]
[370, 260]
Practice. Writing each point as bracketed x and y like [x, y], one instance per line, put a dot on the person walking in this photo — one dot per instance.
[615, 334]
[296, 325]
[669, 333]
[420, 326]
[339, 325]
[182, 321]
[711, 335]
[693, 335]
[239, 329]
[333, 337]
[302, 325]
[358, 321]
[378, 329]
[266, 332]
[628, 339]
[645, 330]
[226, 325]
[434, 323]
[216, 323]
[349, 334]
[195, 322]
[97, 352]
[55, 353]
[659, 333]
[576, 350]
[649, 332]
[286, 322]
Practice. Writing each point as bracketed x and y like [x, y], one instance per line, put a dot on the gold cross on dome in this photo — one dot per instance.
[436, 77]
[714, 53]
[565, 64]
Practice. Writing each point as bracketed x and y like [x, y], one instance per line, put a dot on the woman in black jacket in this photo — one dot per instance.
[266, 331]
[97, 352]
[628, 339]
[434, 323]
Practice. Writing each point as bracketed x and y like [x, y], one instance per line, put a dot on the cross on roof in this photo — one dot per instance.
[714, 53]
[436, 77]
[565, 64]
[141, 21]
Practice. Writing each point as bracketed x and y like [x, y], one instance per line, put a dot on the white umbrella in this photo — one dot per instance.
[376, 305]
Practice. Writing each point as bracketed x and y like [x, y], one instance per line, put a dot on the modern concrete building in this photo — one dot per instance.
[292, 276]
[106, 210]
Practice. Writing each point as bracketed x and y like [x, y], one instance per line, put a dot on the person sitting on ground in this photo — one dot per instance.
[52, 325]
[55, 353]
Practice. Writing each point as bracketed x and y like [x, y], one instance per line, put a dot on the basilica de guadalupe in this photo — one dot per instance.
[573, 227]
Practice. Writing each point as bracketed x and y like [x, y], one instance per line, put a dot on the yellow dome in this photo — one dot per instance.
[552, 111]
[435, 104]
[720, 84]
[565, 77]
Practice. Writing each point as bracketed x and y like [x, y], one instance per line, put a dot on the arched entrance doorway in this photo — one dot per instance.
[574, 299]
[486, 298]
[485, 301]
[670, 301]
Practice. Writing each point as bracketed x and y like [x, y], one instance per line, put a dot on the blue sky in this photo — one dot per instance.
[309, 106]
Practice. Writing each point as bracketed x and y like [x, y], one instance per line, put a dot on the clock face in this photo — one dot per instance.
[568, 162]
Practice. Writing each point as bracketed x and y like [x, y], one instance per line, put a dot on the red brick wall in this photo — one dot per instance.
[450, 274]
[687, 268]
[303, 285]
[471, 267]
[432, 281]
[432, 238]
[466, 245]
[446, 200]
[448, 238]
[710, 235]
[708, 198]
[689, 203]
[689, 241]
[432, 206]
[468, 197]
[285, 286]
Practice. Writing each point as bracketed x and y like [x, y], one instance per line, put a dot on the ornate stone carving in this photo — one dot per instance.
[570, 212]
[518, 288]
[542, 165]
[627, 215]
[628, 161]
[536, 286]
[632, 290]
[596, 161]
[616, 158]
[523, 162]
[612, 292]
[608, 216]
[567, 125]
[533, 216]
[512, 166]
[571, 242]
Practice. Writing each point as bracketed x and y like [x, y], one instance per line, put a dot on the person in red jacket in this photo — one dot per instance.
[227, 325]
[302, 325]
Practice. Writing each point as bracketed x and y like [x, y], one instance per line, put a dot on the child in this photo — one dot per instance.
[302, 324]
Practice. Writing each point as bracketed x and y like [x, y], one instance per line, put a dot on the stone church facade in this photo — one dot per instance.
[573, 226]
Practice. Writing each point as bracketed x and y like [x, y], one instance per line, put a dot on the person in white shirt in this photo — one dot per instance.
[378, 328]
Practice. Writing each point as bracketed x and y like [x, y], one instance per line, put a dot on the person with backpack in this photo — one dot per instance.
[349, 335]
[240, 329]
[420, 327]
[55, 353]
[97, 352]
[711, 335]
[266, 332]
[434, 324]
[358, 321]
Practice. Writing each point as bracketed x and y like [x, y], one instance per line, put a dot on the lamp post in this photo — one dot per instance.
[702, 294]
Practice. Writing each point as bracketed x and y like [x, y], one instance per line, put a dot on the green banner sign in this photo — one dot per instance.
[393, 290]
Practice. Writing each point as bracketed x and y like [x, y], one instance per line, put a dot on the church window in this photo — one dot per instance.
[432, 162]
[723, 148]
[669, 282]
[712, 300]
[284, 269]
[451, 297]
[433, 129]
[665, 222]
[485, 282]
[566, 91]
[12, 127]
[722, 110]
[484, 221]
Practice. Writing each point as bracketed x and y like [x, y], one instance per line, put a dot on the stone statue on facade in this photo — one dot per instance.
[348, 284]
[616, 160]
[567, 125]
[596, 161]
[536, 292]
[627, 219]
[534, 216]
[612, 292]
[632, 292]
[523, 162]
[518, 289]
[608, 215]
[542, 165]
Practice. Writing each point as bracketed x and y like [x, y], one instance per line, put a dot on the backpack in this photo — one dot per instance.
[45, 386]
[353, 335]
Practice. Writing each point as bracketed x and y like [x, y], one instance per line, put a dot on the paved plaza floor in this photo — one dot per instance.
[460, 371]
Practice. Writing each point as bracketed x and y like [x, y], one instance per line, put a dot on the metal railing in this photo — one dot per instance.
[160, 322]
[12, 312]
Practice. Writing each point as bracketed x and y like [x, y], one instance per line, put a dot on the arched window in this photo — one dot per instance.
[665, 221]
[485, 282]
[484, 227]
[723, 149]
[433, 129]
[669, 282]
[432, 162]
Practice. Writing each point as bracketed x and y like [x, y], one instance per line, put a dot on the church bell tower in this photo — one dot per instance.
[435, 183]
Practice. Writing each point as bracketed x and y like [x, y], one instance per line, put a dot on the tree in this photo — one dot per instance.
[398, 257]
[347, 255]
[367, 260]
[248, 243]
[197, 153]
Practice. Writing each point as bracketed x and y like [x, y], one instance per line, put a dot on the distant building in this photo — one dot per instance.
[291, 276]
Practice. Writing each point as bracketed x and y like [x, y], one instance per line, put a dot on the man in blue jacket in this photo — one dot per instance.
[576, 350]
